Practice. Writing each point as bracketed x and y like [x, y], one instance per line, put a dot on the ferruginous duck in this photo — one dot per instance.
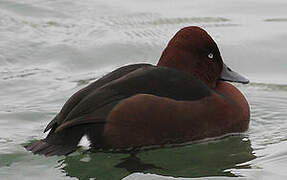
[184, 98]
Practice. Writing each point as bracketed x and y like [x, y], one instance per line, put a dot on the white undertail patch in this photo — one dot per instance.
[84, 142]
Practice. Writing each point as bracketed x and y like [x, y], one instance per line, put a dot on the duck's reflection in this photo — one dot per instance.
[134, 164]
[204, 159]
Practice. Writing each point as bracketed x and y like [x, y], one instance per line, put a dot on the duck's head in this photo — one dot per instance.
[194, 51]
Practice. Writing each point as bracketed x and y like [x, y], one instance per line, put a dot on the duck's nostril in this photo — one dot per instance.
[229, 69]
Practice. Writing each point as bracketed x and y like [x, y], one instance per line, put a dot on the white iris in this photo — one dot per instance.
[210, 56]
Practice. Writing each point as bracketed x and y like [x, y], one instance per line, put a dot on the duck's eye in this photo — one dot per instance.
[210, 56]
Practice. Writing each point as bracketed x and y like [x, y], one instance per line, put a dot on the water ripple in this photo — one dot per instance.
[276, 20]
[268, 113]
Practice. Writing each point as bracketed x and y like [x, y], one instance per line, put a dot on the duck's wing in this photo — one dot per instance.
[81, 94]
[86, 112]
[159, 81]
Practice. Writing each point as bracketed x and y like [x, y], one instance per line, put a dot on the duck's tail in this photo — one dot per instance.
[42, 147]
[65, 141]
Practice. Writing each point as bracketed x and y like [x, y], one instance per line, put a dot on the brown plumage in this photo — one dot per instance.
[181, 99]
